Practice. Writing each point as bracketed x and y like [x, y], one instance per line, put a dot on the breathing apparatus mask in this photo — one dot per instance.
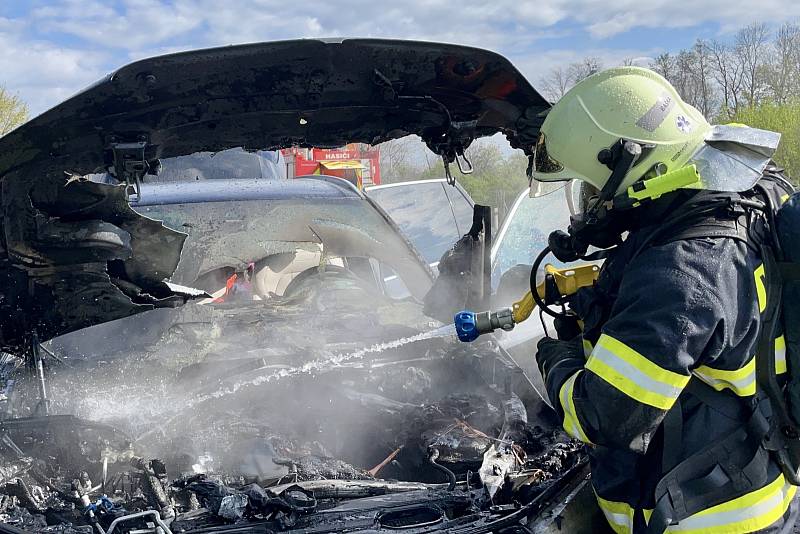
[594, 225]
[593, 222]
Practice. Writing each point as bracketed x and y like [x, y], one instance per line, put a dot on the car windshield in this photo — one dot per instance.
[432, 217]
[239, 250]
[527, 229]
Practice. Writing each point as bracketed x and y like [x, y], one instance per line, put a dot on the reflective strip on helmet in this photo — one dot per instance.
[651, 120]
[634, 375]
[741, 381]
[748, 513]
[571, 423]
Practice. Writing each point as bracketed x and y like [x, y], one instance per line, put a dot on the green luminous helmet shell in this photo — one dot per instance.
[630, 103]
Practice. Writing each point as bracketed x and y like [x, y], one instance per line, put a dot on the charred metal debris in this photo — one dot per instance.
[76, 476]
[417, 451]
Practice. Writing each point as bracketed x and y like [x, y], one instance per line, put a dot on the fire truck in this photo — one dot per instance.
[357, 163]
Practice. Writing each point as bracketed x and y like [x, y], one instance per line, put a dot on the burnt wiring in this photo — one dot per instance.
[451, 477]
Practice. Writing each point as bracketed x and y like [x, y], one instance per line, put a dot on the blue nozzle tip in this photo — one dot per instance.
[466, 329]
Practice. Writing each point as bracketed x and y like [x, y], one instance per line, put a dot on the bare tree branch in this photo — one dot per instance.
[751, 46]
[556, 83]
[782, 71]
[584, 68]
[664, 64]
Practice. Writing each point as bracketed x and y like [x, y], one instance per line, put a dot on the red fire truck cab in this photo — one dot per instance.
[357, 163]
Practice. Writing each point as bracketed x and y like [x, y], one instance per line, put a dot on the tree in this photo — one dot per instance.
[560, 79]
[701, 74]
[498, 176]
[399, 159]
[683, 79]
[664, 64]
[584, 68]
[729, 75]
[556, 83]
[782, 71]
[751, 47]
[13, 111]
[783, 118]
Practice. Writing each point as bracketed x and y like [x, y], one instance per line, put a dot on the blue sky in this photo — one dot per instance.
[50, 49]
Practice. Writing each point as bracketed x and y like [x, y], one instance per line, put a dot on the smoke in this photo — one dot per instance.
[320, 364]
[330, 370]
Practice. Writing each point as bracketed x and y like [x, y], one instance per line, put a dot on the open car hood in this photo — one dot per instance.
[73, 252]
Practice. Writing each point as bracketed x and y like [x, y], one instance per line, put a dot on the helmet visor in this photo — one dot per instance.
[543, 163]
[580, 196]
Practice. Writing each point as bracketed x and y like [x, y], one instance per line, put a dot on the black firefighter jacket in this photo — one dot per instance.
[677, 311]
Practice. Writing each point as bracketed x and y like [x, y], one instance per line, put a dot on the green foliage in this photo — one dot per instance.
[498, 172]
[13, 111]
[497, 178]
[783, 118]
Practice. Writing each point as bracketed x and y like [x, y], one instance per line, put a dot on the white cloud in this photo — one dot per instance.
[608, 19]
[44, 74]
[100, 36]
[141, 22]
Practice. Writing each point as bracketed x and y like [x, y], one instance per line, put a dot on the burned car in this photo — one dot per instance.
[224, 354]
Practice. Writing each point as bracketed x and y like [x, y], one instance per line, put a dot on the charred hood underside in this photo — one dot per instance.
[72, 252]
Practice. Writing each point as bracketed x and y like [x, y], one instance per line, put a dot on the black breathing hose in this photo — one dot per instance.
[534, 291]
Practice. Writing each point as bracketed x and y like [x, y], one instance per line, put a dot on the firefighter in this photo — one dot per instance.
[654, 368]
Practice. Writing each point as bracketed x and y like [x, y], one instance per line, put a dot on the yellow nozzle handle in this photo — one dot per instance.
[568, 281]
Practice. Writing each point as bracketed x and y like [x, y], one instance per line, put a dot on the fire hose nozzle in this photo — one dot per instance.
[471, 325]
[563, 282]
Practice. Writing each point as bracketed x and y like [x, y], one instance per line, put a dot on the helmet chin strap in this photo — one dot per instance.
[592, 227]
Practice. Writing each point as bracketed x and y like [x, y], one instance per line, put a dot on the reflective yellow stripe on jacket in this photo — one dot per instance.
[761, 288]
[634, 375]
[748, 513]
[753, 511]
[618, 514]
[571, 423]
[741, 381]
[587, 347]
[780, 355]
